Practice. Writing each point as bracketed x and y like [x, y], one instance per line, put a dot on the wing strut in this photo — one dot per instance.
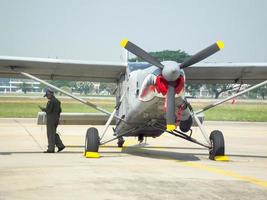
[231, 97]
[70, 95]
[194, 114]
[112, 116]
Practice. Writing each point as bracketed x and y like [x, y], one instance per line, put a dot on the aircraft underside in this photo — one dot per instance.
[145, 115]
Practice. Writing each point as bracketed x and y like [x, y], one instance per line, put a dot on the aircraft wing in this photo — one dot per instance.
[226, 73]
[56, 69]
[59, 69]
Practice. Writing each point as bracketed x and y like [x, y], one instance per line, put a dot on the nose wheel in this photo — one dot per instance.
[217, 144]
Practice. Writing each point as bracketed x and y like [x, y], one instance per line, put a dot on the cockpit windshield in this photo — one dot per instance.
[138, 65]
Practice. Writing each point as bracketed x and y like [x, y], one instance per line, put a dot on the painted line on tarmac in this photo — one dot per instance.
[29, 133]
[215, 170]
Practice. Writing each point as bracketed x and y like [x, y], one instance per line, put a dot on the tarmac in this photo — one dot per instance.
[163, 168]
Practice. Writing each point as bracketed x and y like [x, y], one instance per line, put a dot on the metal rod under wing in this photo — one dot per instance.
[231, 97]
[202, 130]
[112, 116]
[68, 94]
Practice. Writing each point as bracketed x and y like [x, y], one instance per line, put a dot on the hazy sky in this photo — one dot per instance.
[92, 29]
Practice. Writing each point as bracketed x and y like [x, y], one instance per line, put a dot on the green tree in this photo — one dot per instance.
[193, 89]
[24, 87]
[178, 56]
[110, 87]
[262, 91]
[84, 87]
[218, 89]
[60, 84]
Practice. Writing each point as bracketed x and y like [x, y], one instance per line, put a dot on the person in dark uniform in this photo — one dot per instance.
[53, 110]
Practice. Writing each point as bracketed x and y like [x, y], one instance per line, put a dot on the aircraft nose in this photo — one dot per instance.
[171, 71]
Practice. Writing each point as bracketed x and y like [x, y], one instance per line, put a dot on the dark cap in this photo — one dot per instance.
[48, 91]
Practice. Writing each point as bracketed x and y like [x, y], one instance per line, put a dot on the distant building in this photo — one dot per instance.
[96, 87]
[8, 85]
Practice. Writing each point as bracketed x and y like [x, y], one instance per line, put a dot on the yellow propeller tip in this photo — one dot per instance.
[124, 42]
[170, 127]
[220, 44]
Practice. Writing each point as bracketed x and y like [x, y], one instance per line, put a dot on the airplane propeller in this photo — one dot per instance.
[212, 49]
[171, 72]
[140, 53]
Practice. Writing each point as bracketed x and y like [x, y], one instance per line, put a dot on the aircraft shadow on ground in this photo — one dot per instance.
[151, 152]
[136, 151]
[159, 154]
[34, 152]
[141, 145]
[154, 152]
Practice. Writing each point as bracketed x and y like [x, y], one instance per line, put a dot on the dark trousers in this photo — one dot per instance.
[52, 137]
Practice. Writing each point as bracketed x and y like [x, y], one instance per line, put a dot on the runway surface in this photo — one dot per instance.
[164, 168]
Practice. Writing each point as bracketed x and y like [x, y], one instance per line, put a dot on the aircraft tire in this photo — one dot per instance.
[185, 126]
[217, 144]
[92, 140]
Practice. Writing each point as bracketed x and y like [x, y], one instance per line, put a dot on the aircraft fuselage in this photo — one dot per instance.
[139, 111]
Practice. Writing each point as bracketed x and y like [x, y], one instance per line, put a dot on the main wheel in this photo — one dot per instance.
[217, 144]
[92, 140]
[185, 126]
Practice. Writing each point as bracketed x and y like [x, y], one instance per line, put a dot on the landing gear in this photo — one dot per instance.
[91, 141]
[217, 144]
[120, 142]
[185, 126]
[140, 138]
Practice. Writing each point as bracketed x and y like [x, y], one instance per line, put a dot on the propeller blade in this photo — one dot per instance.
[202, 54]
[170, 112]
[140, 53]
